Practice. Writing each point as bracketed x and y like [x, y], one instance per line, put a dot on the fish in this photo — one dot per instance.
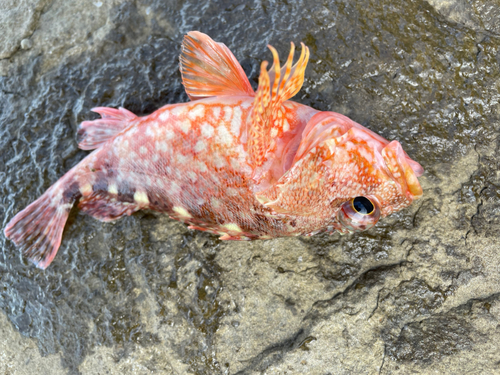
[239, 164]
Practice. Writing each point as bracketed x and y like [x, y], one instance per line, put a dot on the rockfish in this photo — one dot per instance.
[241, 164]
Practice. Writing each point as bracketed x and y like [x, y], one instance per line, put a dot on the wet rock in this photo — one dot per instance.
[417, 293]
[20, 355]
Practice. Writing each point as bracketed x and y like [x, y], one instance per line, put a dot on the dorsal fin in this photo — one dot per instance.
[209, 68]
[93, 134]
[275, 87]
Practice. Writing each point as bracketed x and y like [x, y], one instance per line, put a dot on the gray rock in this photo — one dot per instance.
[419, 293]
[482, 16]
[18, 20]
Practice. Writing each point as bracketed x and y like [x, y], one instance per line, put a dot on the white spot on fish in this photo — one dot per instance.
[174, 188]
[141, 198]
[215, 202]
[169, 134]
[86, 190]
[155, 158]
[216, 112]
[228, 113]
[161, 146]
[218, 161]
[223, 135]
[197, 111]
[286, 126]
[202, 166]
[178, 110]
[164, 116]
[235, 163]
[182, 159]
[150, 132]
[185, 126]
[112, 189]
[274, 132]
[231, 192]
[247, 104]
[182, 212]
[192, 176]
[240, 150]
[199, 146]
[236, 122]
[143, 150]
[207, 130]
[160, 183]
[233, 227]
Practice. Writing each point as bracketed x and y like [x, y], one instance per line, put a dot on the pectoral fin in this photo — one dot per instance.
[275, 87]
[209, 69]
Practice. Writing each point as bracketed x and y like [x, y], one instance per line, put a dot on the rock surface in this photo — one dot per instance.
[419, 293]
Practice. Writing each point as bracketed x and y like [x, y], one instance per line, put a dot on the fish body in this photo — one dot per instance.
[232, 162]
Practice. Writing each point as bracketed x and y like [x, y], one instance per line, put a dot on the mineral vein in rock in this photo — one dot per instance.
[232, 162]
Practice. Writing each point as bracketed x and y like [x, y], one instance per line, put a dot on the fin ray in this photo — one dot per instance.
[209, 68]
[93, 134]
[105, 207]
[38, 228]
[275, 87]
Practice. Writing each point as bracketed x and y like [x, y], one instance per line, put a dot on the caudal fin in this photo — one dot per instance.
[38, 228]
[92, 134]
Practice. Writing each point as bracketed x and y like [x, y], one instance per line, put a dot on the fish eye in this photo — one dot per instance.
[363, 205]
[358, 214]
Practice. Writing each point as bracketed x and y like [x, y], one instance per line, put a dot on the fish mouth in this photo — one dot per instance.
[403, 170]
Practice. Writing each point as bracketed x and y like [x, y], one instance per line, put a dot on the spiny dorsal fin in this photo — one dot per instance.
[275, 87]
[209, 68]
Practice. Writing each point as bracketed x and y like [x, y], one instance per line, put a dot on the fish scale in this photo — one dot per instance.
[232, 162]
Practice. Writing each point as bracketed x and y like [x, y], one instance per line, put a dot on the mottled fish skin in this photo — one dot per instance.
[241, 165]
[187, 160]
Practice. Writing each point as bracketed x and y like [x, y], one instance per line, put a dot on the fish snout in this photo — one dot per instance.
[403, 170]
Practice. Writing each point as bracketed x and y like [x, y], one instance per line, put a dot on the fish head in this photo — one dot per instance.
[376, 180]
[346, 176]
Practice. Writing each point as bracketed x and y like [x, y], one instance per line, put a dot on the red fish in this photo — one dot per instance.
[241, 164]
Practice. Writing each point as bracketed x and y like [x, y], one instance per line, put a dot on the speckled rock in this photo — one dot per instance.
[18, 20]
[419, 293]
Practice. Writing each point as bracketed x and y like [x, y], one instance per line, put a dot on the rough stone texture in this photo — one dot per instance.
[419, 293]
[481, 16]
[18, 20]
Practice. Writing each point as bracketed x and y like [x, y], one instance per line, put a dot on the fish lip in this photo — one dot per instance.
[402, 170]
[416, 167]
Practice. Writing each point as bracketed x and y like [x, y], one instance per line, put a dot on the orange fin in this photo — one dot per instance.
[275, 87]
[209, 68]
[38, 228]
[92, 134]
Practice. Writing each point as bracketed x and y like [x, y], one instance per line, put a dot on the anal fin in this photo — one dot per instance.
[92, 134]
[106, 207]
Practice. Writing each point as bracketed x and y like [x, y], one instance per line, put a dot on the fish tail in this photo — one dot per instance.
[38, 228]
